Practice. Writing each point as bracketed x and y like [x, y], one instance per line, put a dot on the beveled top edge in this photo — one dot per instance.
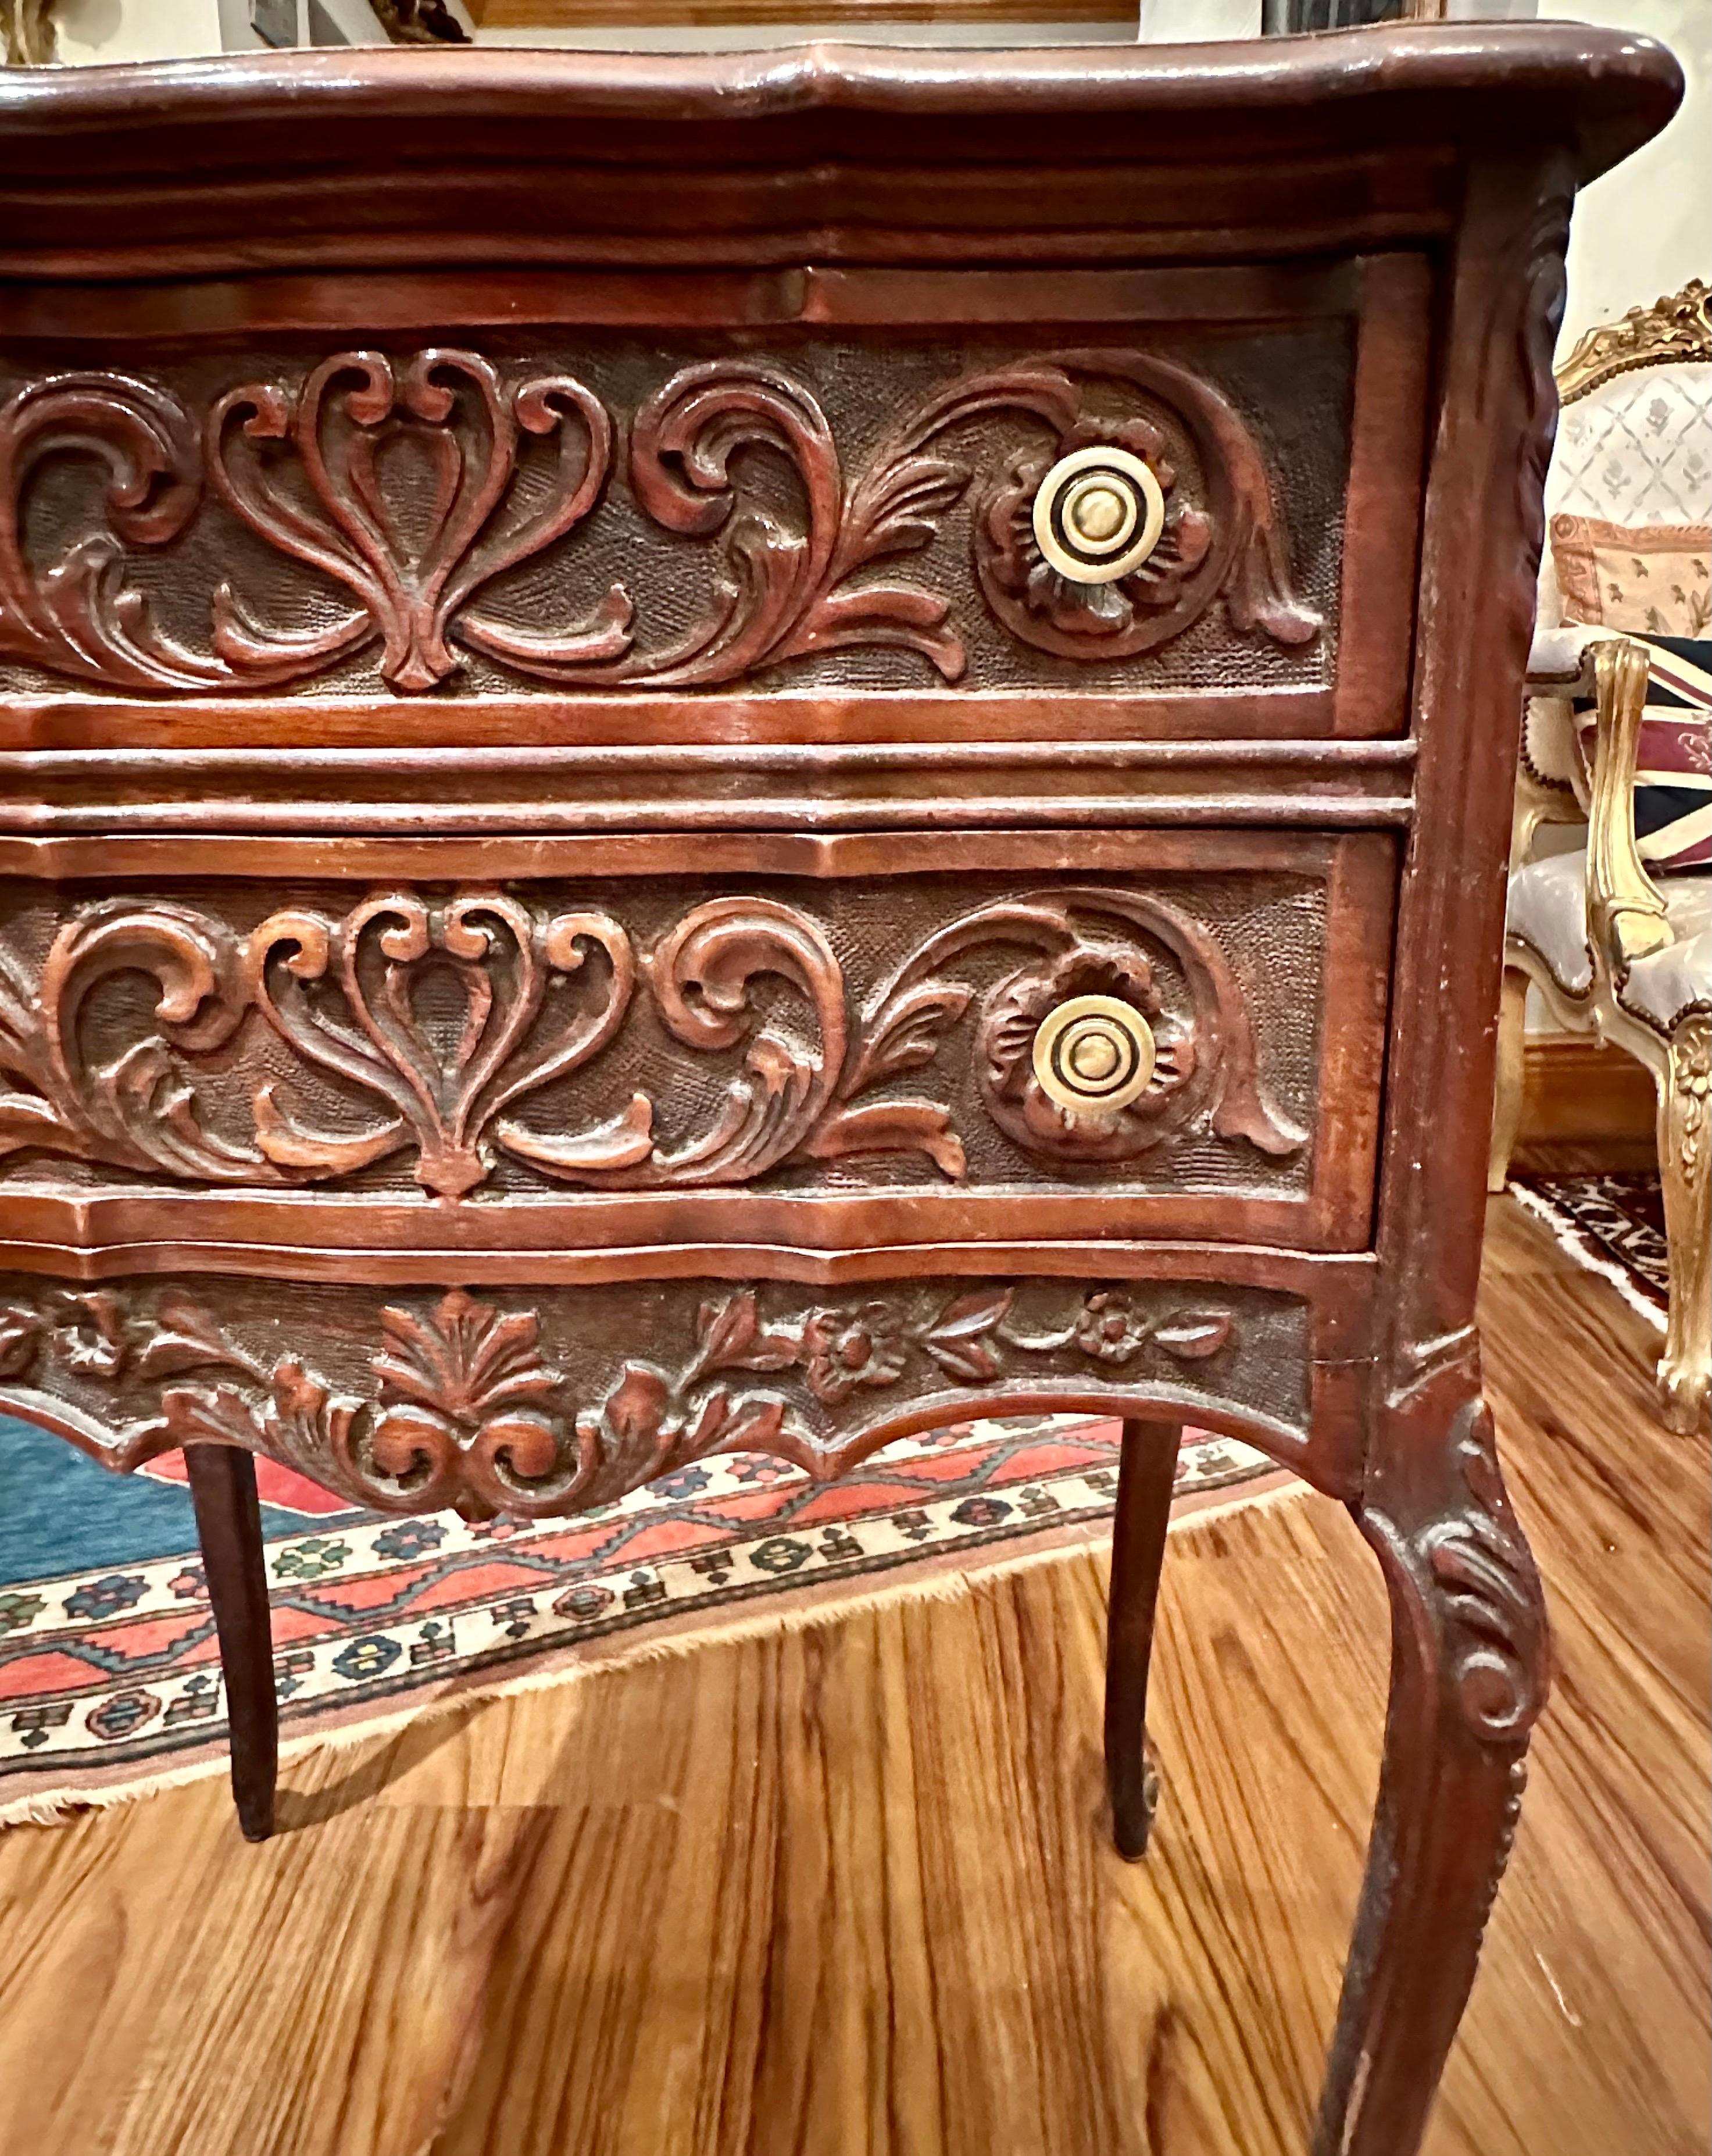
[1612, 89]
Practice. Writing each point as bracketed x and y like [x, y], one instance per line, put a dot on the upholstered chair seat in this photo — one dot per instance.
[1548, 913]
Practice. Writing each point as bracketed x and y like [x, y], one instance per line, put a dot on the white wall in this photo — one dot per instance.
[1157, 22]
[1647, 227]
[94, 32]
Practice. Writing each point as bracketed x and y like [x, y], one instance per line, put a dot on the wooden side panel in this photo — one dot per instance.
[1382, 530]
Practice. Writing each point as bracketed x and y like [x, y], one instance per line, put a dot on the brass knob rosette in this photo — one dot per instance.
[1098, 515]
[1094, 1055]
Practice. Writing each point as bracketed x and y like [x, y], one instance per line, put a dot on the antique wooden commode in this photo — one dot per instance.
[742, 753]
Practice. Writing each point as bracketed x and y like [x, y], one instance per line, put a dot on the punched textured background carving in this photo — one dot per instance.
[1289, 389]
[645, 1035]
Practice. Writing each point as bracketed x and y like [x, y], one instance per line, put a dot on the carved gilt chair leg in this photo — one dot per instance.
[1507, 1101]
[1685, 1172]
[229, 1524]
[1468, 1676]
[1147, 1471]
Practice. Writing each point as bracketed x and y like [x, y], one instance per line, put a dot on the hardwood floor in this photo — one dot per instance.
[850, 1890]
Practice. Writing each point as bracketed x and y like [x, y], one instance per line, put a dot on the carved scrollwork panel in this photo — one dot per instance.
[412, 555]
[541, 1401]
[623, 1041]
[376, 508]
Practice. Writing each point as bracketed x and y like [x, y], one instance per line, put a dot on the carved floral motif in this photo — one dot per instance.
[446, 1097]
[1090, 942]
[448, 1014]
[1233, 546]
[403, 484]
[462, 1408]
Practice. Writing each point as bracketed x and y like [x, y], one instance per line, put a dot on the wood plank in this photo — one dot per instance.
[848, 1889]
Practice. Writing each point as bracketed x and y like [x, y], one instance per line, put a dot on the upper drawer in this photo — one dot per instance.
[899, 494]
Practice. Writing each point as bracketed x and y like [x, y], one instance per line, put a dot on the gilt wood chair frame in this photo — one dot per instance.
[1625, 913]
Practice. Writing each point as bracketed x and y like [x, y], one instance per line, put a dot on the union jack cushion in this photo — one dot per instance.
[1673, 770]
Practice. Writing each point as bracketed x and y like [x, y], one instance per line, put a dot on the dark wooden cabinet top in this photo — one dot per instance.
[820, 154]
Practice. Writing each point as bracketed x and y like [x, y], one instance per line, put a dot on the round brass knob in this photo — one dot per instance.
[1098, 515]
[1094, 1054]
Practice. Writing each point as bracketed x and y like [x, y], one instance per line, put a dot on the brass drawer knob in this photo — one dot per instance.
[1098, 515]
[1094, 1055]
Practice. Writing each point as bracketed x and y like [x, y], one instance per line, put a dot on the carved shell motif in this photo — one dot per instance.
[504, 465]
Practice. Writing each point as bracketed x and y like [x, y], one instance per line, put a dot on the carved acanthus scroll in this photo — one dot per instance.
[443, 1018]
[1486, 1592]
[77, 618]
[409, 484]
[134, 1108]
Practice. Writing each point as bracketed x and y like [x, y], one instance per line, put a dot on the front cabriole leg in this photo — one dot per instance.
[1468, 1678]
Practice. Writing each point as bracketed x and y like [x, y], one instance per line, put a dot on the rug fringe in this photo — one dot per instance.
[1587, 1252]
[567, 1667]
[56, 1808]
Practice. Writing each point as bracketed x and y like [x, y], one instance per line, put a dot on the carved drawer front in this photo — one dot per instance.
[1160, 509]
[1178, 1039]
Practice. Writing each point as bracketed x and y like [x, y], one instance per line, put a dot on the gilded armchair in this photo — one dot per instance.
[1614, 944]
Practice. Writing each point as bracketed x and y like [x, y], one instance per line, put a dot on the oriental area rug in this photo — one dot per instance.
[1614, 1224]
[110, 1680]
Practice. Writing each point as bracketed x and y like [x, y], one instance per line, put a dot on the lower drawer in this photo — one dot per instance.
[847, 1044]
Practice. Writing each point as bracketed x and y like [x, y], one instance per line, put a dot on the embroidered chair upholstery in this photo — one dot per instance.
[1610, 950]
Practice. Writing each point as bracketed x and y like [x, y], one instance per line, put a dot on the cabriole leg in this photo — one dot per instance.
[1468, 1677]
[1147, 1471]
[1686, 1176]
[1510, 1086]
[229, 1524]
